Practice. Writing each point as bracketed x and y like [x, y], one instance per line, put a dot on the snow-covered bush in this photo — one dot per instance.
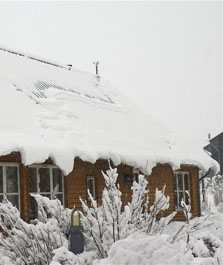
[190, 226]
[109, 222]
[26, 244]
[200, 244]
[212, 199]
[205, 244]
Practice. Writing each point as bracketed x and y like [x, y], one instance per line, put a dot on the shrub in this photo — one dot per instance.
[109, 222]
[25, 244]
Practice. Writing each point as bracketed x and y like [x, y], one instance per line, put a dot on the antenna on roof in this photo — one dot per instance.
[209, 136]
[69, 66]
[96, 67]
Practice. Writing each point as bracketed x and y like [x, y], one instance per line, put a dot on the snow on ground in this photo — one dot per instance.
[142, 249]
[50, 111]
[146, 250]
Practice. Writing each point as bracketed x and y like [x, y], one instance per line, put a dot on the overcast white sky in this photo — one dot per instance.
[166, 56]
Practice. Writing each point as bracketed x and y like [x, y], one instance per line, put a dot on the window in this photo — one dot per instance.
[91, 186]
[9, 183]
[181, 188]
[46, 180]
[135, 173]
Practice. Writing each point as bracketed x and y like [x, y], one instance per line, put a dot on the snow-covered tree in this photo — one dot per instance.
[109, 222]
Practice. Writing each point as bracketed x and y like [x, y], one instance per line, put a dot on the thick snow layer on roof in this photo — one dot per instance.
[47, 110]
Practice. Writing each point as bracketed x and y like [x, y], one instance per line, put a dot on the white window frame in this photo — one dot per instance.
[135, 173]
[10, 164]
[91, 178]
[51, 193]
[177, 191]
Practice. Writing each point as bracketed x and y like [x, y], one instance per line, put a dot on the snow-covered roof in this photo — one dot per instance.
[47, 110]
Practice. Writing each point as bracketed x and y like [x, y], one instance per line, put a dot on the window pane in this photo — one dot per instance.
[186, 198]
[44, 179]
[175, 182]
[12, 179]
[45, 209]
[186, 182]
[180, 181]
[57, 180]
[175, 199]
[59, 197]
[14, 199]
[32, 179]
[1, 180]
[181, 195]
[33, 210]
[46, 195]
[1, 198]
[90, 186]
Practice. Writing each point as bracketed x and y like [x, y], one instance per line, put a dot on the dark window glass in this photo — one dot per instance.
[12, 179]
[175, 199]
[57, 180]
[59, 197]
[1, 180]
[14, 199]
[175, 182]
[186, 198]
[181, 196]
[180, 181]
[186, 182]
[91, 186]
[33, 210]
[44, 174]
[32, 179]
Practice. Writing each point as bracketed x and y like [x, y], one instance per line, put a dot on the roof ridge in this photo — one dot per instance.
[34, 57]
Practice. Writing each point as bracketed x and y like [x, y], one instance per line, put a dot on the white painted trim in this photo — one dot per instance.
[11, 164]
[51, 193]
[183, 173]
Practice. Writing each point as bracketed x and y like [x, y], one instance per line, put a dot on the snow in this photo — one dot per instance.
[146, 250]
[142, 249]
[50, 111]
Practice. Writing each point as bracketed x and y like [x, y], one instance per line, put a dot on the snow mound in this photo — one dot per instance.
[49, 110]
[146, 250]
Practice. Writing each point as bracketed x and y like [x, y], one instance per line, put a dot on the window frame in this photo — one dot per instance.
[51, 193]
[135, 174]
[183, 190]
[4, 165]
[94, 188]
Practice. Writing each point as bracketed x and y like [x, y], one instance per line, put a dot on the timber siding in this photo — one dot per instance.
[75, 183]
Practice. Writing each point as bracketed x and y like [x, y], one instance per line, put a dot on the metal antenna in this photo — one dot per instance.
[209, 136]
[96, 67]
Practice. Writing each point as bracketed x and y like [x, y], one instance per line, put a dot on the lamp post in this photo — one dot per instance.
[76, 234]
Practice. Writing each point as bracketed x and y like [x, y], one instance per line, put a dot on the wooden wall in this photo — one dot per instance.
[75, 184]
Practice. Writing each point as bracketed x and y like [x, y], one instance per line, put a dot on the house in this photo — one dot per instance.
[215, 148]
[59, 127]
